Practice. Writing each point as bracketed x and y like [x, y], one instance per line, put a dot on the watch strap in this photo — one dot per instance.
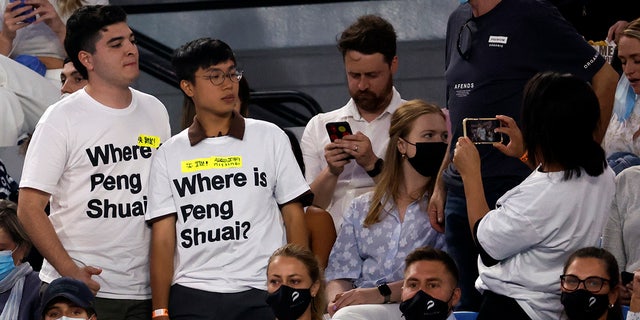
[377, 168]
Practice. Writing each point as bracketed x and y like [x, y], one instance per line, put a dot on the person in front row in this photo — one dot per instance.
[223, 196]
[19, 284]
[430, 288]
[70, 79]
[561, 207]
[381, 227]
[295, 284]
[67, 298]
[589, 284]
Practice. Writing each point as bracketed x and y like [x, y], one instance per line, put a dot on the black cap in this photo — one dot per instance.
[75, 290]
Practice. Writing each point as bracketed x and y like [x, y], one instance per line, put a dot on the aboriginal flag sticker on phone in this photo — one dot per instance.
[337, 130]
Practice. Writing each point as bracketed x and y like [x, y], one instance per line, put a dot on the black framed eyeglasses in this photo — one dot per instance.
[465, 37]
[217, 76]
[592, 284]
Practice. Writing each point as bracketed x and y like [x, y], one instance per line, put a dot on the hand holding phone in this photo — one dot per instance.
[337, 130]
[22, 5]
[482, 130]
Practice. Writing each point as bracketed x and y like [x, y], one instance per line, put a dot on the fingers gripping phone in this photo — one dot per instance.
[28, 20]
[337, 130]
[482, 130]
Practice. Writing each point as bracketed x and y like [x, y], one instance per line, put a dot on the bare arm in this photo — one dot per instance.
[11, 24]
[163, 245]
[467, 161]
[48, 14]
[323, 187]
[31, 205]
[322, 233]
[604, 84]
[334, 289]
[293, 215]
[635, 295]
[336, 154]
[363, 296]
[438, 198]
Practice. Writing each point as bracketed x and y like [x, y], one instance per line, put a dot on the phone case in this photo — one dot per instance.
[337, 130]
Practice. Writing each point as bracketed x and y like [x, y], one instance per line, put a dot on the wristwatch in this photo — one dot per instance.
[377, 168]
[385, 291]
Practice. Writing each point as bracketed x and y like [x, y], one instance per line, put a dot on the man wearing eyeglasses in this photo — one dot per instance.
[341, 170]
[91, 155]
[224, 194]
[493, 48]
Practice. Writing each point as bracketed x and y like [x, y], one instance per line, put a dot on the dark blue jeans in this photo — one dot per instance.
[619, 161]
[460, 242]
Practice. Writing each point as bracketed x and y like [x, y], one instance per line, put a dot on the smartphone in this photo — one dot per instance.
[337, 130]
[481, 130]
[626, 277]
[27, 20]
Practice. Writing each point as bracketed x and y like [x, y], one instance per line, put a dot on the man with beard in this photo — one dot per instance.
[341, 170]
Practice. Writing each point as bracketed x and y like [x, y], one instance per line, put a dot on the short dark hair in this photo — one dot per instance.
[433, 254]
[83, 30]
[560, 114]
[368, 35]
[199, 53]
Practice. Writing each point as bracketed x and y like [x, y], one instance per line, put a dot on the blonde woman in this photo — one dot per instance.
[381, 227]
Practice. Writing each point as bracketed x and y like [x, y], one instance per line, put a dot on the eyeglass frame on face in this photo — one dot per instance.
[584, 282]
[467, 52]
[234, 76]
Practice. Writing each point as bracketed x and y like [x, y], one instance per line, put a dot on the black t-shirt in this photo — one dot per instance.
[509, 45]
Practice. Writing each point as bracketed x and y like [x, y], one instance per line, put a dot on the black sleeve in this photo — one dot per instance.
[487, 260]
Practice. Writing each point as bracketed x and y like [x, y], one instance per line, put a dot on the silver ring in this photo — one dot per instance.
[355, 147]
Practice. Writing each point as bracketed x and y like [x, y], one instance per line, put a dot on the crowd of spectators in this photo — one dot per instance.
[402, 215]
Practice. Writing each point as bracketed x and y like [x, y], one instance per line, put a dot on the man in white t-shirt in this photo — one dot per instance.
[91, 155]
[368, 48]
[223, 195]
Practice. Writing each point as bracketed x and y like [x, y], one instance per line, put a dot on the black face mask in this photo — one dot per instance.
[423, 306]
[584, 305]
[288, 303]
[428, 157]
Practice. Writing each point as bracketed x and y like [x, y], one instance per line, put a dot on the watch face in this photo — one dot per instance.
[384, 290]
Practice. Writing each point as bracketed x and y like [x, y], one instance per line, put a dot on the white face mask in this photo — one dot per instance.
[69, 318]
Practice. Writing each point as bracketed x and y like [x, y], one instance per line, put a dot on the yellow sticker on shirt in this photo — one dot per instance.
[211, 163]
[148, 141]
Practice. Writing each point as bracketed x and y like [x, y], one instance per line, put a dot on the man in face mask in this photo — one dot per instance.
[430, 288]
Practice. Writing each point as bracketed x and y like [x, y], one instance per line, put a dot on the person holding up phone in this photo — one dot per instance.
[34, 29]
[560, 207]
[368, 49]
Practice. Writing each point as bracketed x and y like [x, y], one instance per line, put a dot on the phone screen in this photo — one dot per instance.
[481, 130]
[337, 130]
